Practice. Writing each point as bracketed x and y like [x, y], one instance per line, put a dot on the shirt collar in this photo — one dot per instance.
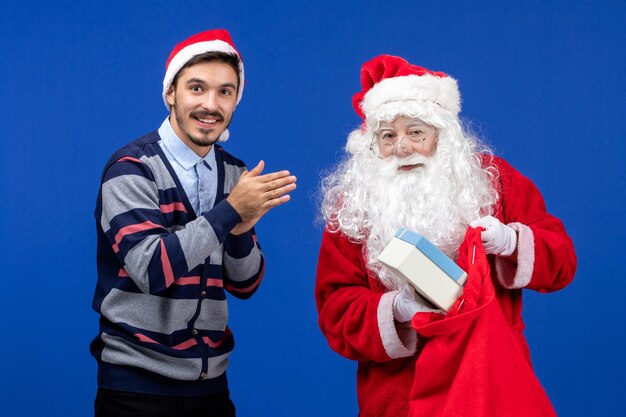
[180, 151]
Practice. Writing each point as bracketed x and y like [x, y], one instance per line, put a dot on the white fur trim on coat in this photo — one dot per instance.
[442, 91]
[517, 275]
[188, 52]
[399, 342]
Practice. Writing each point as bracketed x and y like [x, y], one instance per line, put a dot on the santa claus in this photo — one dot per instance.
[412, 164]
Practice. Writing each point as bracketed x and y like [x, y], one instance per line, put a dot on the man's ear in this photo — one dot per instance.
[170, 96]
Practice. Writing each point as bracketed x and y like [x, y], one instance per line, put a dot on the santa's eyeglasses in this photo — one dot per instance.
[385, 143]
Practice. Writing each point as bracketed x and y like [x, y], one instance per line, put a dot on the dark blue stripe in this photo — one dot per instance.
[166, 342]
[122, 168]
[126, 378]
[239, 246]
[222, 217]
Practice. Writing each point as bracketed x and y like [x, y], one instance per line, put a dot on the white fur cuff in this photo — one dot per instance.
[398, 342]
[510, 275]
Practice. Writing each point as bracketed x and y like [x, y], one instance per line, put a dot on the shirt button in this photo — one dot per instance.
[194, 331]
[203, 293]
[203, 375]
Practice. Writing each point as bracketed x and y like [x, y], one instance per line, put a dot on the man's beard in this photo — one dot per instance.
[207, 137]
[376, 199]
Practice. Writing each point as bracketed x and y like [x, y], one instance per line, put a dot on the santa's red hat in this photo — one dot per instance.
[391, 86]
[216, 40]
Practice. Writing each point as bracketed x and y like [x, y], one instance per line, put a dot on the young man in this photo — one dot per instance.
[175, 220]
[412, 165]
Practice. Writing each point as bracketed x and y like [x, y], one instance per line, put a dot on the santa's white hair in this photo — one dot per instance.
[368, 199]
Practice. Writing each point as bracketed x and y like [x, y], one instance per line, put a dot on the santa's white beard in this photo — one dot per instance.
[420, 200]
[435, 200]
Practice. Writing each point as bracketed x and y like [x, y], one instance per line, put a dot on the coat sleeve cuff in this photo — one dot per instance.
[399, 342]
[514, 275]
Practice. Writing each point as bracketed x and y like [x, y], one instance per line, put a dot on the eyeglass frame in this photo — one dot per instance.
[376, 139]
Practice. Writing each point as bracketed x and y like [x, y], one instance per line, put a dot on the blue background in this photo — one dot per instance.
[542, 81]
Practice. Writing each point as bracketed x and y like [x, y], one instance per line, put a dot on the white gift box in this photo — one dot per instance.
[435, 276]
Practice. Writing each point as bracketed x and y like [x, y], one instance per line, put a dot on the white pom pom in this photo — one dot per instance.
[224, 136]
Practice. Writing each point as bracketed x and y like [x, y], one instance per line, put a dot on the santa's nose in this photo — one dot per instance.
[403, 148]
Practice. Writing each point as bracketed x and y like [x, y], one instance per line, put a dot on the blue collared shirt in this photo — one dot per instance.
[198, 176]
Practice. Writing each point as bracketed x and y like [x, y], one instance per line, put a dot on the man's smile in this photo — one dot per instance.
[207, 121]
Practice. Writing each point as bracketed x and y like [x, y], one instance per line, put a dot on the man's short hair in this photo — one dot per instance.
[213, 56]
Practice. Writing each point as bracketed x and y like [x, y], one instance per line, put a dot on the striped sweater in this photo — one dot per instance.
[162, 275]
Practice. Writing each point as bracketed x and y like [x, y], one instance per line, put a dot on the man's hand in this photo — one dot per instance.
[255, 194]
[408, 303]
[497, 238]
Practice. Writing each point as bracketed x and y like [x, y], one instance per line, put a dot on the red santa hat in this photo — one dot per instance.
[392, 86]
[216, 40]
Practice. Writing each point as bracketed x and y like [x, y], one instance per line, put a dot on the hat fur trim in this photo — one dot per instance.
[443, 91]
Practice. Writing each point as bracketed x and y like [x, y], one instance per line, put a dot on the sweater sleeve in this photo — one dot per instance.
[132, 219]
[356, 320]
[244, 264]
[546, 260]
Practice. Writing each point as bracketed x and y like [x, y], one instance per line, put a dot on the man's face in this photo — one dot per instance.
[203, 101]
[406, 136]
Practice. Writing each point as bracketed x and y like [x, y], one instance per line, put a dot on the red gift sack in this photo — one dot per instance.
[471, 363]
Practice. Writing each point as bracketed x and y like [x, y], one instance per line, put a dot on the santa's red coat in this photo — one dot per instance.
[355, 310]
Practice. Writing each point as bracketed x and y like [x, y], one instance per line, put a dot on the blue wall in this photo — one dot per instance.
[544, 84]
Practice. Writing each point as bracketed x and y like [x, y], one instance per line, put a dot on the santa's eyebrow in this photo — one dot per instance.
[416, 123]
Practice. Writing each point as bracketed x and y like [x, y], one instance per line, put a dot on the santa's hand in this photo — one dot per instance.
[497, 238]
[407, 303]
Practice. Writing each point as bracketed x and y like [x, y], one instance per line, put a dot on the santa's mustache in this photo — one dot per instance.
[389, 166]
